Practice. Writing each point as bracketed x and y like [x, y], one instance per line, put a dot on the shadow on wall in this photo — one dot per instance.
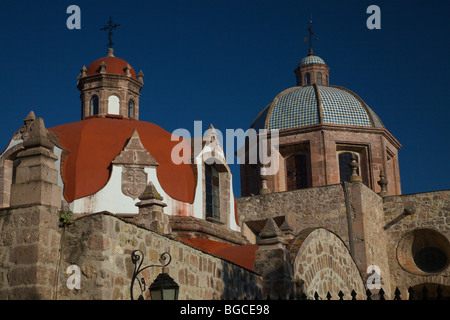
[239, 283]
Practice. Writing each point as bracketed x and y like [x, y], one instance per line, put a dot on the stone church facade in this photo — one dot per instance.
[330, 214]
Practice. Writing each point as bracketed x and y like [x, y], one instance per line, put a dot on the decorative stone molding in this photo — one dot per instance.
[133, 159]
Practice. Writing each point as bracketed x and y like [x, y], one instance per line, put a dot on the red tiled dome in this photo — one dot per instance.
[93, 143]
[114, 65]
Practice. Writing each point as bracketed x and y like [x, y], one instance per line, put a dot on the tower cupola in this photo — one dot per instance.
[110, 86]
[312, 69]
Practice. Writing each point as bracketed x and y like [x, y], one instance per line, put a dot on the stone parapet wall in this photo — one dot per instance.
[36, 253]
[101, 245]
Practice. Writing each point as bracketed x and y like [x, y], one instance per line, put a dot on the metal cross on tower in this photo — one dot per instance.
[110, 27]
[310, 38]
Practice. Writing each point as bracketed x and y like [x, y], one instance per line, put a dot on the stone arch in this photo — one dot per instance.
[322, 264]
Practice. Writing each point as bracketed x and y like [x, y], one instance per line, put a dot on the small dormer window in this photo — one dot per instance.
[93, 106]
[131, 109]
[307, 78]
[212, 192]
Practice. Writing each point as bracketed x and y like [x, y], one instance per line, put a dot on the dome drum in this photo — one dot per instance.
[109, 86]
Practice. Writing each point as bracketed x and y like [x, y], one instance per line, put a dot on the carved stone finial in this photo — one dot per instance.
[264, 188]
[271, 236]
[83, 72]
[103, 67]
[383, 183]
[270, 230]
[354, 166]
[30, 117]
[127, 69]
[110, 52]
[150, 193]
[38, 135]
[287, 230]
[25, 130]
[141, 77]
[151, 211]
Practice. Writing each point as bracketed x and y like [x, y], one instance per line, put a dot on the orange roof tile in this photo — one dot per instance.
[243, 255]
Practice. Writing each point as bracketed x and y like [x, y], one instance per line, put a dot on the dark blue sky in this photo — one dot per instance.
[221, 62]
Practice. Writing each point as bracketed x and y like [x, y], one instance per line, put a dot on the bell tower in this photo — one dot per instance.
[109, 86]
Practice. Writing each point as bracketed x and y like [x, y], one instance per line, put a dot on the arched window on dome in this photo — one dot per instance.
[131, 109]
[319, 78]
[93, 106]
[113, 105]
[307, 78]
[297, 171]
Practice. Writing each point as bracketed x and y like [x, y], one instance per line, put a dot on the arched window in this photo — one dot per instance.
[113, 105]
[93, 106]
[297, 172]
[131, 110]
[307, 78]
[319, 78]
[212, 192]
[345, 171]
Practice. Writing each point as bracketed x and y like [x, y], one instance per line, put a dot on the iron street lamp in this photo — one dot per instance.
[163, 288]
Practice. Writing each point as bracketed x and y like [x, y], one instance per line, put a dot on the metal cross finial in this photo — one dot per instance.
[310, 37]
[110, 27]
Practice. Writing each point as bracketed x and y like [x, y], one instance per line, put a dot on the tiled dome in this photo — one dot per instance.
[311, 59]
[114, 65]
[304, 106]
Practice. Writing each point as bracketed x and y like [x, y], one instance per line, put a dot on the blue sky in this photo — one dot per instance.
[222, 62]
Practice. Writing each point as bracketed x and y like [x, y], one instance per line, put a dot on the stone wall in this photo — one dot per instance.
[354, 214]
[305, 208]
[407, 215]
[36, 253]
[101, 245]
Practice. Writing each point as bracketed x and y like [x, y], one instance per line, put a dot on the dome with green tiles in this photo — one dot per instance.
[316, 104]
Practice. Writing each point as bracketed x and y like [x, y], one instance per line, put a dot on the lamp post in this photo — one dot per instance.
[163, 288]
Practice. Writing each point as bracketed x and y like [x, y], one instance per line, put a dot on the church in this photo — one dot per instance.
[331, 222]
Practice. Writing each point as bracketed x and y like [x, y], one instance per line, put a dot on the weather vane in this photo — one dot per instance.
[310, 37]
[110, 27]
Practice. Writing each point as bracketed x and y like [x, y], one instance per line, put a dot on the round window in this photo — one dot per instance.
[423, 251]
[430, 259]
